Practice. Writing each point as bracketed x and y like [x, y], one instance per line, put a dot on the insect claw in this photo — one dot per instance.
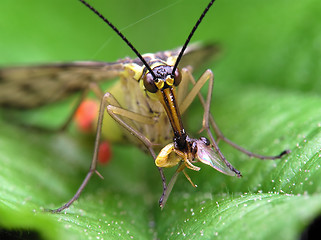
[238, 173]
[287, 151]
[57, 210]
[49, 210]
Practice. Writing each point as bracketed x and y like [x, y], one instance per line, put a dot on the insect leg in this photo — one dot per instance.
[61, 128]
[163, 199]
[111, 105]
[91, 87]
[208, 118]
[67, 122]
[207, 76]
[189, 179]
[93, 164]
[220, 135]
[116, 112]
[184, 102]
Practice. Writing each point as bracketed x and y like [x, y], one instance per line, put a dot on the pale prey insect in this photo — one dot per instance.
[144, 103]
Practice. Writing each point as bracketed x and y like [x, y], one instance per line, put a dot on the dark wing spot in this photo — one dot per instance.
[27, 87]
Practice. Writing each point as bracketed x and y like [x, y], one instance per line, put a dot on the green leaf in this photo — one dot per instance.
[266, 98]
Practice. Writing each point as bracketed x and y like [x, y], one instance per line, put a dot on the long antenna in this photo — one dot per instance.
[120, 35]
[191, 35]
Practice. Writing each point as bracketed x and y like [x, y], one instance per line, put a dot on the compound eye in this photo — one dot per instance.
[149, 83]
[177, 77]
[205, 140]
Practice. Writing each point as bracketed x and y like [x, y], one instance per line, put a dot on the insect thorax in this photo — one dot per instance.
[138, 100]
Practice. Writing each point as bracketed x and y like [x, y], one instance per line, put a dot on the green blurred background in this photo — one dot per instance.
[275, 43]
[266, 98]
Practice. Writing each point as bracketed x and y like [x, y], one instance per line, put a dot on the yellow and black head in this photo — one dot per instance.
[162, 82]
[161, 78]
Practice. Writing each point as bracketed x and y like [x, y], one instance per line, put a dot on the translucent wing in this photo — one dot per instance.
[198, 54]
[34, 86]
[207, 155]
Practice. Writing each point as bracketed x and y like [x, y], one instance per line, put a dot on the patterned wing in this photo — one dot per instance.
[195, 55]
[34, 86]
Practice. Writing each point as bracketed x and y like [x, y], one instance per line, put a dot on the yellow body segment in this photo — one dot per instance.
[167, 157]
